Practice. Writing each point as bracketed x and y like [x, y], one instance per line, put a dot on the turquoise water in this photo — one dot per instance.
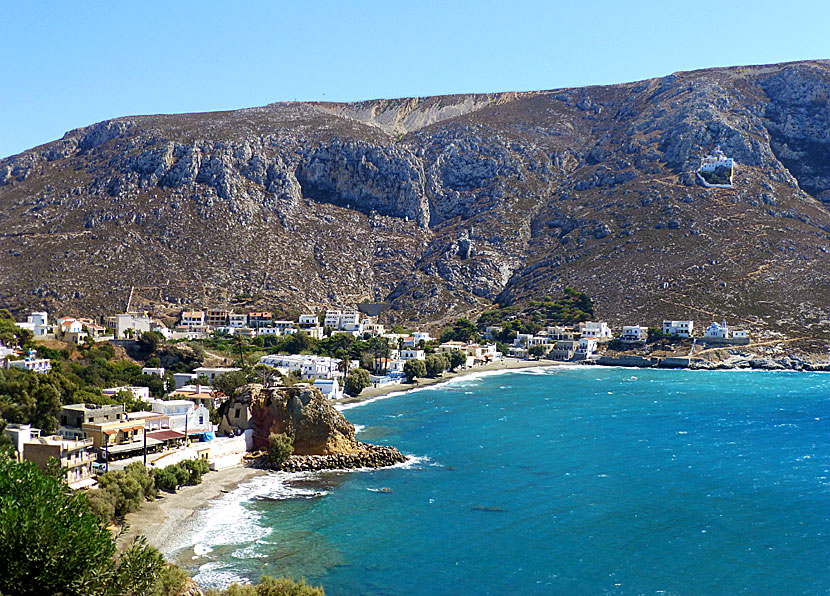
[563, 481]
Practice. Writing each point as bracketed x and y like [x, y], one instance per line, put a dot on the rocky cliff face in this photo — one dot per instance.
[443, 205]
[300, 412]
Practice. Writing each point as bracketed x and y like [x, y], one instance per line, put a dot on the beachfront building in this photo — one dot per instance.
[74, 416]
[586, 348]
[678, 328]
[563, 349]
[600, 330]
[118, 438]
[184, 415]
[558, 332]
[634, 333]
[412, 354]
[75, 458]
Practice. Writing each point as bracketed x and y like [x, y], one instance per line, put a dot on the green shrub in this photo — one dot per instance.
[280, 448]
[414, 369]
[50, 542]
[435, 365]
[356, 381]
[270, 586]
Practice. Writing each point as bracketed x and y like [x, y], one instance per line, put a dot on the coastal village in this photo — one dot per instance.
[189, 419]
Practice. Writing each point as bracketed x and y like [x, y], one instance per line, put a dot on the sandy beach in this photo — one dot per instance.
[504, 364]
[160, 520]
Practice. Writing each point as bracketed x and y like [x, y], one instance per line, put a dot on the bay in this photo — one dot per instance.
[567, 480]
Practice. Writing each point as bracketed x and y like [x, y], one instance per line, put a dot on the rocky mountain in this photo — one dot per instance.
[444, 205]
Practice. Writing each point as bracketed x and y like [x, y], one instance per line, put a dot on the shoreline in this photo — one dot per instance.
[161, 520]
[372, 393]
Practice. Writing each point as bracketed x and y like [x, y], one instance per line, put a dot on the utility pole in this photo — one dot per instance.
[145, 446]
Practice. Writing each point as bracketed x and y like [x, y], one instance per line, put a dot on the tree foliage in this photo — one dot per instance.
[50, 543]
[461, 330]
[280, 448]
[414, 369]
[457, 358]
[356, 381]
[435, 364]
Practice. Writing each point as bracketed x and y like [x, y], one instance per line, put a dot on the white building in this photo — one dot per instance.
[678, 328]
[184, 414]
[633, 333]
[139, 393]
[237, 320]
[345, 320]
[38, 365]
[586, 347]
[20, 434]
[717, 331]
[740, 334]
[211, 372]
[182, 379]
[193, 318]
[149, 370]
[308, 321]
[330, 388]
[421, 336]
[599, 330]
[269, 331]
[137, 323]
[309, 366]
[412, 354]
[37, 323]
[714, 161]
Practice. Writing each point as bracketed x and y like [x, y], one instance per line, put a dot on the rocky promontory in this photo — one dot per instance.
[321, 435]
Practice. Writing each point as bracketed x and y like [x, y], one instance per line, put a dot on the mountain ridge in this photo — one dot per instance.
[444, 205]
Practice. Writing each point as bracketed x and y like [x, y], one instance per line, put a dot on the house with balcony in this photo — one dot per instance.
[634, 333]
[184, 415]
[237, 320]
[30, 363]
[193, 318]
[308, 320]
[138, 393]
[412, 354]
[260, 319]
[563, 349]
[118, 438]
[211, 372]
[74, 457]
[586, 348]
[201, 395]
[678, 328]
[600, 330]
[37, 323]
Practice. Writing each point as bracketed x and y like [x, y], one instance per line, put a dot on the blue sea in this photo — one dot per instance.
[568, 480]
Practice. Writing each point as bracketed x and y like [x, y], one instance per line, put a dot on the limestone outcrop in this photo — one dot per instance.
[322, 436]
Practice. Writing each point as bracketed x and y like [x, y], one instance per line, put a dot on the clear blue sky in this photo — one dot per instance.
[70, 64]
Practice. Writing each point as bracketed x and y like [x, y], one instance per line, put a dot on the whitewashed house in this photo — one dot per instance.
[149, 370]
[330, 388]
[634, 333]
[193, 318]
[599, 330]
[184, 413]
[38, 365]
[412, 354]
[139, 393]
[211, 372]
[586, 347]
[678, 328]
[37, 323]
[308, 321]
[309, 366]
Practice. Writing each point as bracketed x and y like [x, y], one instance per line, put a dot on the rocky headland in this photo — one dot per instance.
[321, 435]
